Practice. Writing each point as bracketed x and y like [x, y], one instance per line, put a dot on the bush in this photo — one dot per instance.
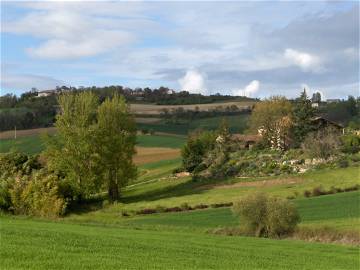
[264, 216]
[350, 143]
[322, 144]
[343, 162]
[37, 195]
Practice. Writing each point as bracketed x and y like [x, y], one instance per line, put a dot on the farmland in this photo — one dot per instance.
[64, 246]
[152, 109]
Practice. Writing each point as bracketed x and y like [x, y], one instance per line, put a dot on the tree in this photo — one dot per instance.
[303, 113]
[72, 150]
[316, 97]
[271, 118]
[197, 146]
[116, 138]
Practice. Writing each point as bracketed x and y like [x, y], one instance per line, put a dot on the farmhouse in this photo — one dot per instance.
[321, 122]
[245, 141]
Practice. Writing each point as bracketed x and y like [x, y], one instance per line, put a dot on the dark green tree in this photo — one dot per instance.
[302, 115]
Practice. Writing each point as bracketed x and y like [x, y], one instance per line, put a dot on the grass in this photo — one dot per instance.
[322, 211]
[237, 124]
[160, 141]
[33, 144]
[29, 244]
[158, 188]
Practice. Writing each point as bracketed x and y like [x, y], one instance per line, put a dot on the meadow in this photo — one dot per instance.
[64, 246]
[237, 124]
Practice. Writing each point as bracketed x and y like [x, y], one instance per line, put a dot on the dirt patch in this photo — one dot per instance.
[147, 120]
[260, 183]
[153, 154]
[156, 109]
[10, 134]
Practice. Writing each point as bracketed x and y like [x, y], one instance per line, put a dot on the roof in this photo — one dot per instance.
[246, 137]
[320, 118]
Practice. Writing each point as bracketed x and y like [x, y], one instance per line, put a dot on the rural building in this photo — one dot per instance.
[45, 93]
[321, 122]
[245, 141]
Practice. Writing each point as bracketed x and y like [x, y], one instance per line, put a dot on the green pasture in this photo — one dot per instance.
[237, 124]
[29, 244]
[34, 145]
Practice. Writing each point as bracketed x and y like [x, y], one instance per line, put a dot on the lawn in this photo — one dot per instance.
[29, 244]
[33, 144]
[322, 210]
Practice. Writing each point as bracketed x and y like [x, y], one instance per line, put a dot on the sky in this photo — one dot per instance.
[257, 49]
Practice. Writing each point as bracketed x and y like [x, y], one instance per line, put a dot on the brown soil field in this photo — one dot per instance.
[156, 109]
[25, 132]
[153, 154]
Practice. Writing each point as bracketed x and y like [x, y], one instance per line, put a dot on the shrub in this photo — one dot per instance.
[201, 206]
[318, 191]
[37, 195]
[185, 206]
[264, 216]
[307, 193]
[322, 144]
[343, 162]
[350, 143]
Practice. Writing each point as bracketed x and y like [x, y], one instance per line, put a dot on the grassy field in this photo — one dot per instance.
[33, 144]
[340, 210]
[237, 124]
[28, 244]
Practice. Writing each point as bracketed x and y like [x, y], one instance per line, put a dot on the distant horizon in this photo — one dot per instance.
[309, 93]
[258, 49]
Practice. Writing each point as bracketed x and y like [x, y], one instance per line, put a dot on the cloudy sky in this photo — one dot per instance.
[243, 48]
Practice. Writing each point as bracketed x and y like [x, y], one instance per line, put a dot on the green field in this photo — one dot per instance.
[28, 244]
[237, 124]
[34, 145]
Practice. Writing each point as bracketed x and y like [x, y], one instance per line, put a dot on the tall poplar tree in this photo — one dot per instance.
[116, 138]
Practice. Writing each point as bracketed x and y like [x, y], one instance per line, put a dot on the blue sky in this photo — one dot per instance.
[257, 49]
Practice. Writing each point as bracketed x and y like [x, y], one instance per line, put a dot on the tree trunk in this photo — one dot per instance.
[113, 189]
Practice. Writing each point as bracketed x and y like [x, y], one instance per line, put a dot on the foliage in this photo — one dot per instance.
[116, 138]
[265, 216]
[37, 195]
[302, 115]
[72, 150]
[197, 146]
[350, 143]
[322, 144]
[272, 118]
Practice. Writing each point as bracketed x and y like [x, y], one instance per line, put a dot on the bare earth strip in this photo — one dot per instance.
[156, 109]
[153, 154]
[26, 132]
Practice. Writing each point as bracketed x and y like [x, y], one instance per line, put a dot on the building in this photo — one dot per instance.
[333, 100]
[245, 141]
[320, 122]
[46, 93]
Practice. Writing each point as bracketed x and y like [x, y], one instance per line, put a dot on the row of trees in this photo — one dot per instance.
[91, 152]
[176, 115]
[94, 144]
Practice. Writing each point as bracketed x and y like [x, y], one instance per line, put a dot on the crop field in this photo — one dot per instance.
[237, 124]
[153, 109]
[64, 246]
[33, 144]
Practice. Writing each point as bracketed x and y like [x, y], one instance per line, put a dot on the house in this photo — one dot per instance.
[245, 141]
[315, 104]
[46, 93]
[333, 100]
[320, 122]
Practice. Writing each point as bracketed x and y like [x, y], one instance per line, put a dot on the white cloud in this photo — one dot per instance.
[194, 82]
[305, 61]
[26, 81]
[69, 34]
[250, 90]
